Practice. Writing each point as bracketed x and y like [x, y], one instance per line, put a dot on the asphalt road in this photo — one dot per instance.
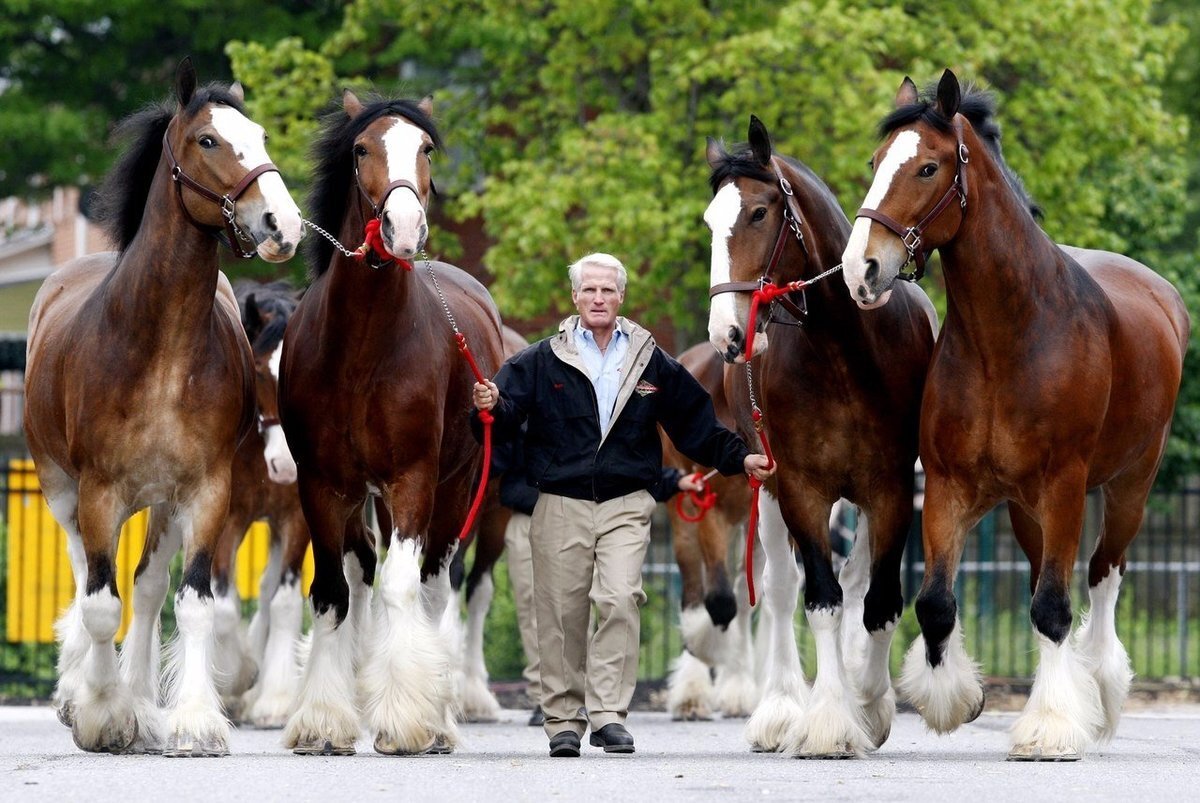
[1155, 757]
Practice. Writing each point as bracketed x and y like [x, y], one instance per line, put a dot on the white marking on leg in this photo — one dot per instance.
[1101, 652]
[689, 688]
[478, 702]
[195, 722]
[1063, 714]
[784, 690]
[279, 681]
[103, 711]
[69, 629]
[831, 725]
[736, 690]
[700, 636]
[945, 696]
[325, 712]
[855, 579]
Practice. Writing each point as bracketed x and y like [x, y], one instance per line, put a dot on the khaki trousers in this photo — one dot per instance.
[520, 577]
[576, 542]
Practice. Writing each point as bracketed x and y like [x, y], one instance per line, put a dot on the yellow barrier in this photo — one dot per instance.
[40, 583]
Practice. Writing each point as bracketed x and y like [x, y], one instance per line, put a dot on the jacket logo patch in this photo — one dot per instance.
[644, 388]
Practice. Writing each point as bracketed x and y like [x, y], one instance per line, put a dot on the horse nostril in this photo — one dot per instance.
[872, 271]
[270, 222]
[862, 292]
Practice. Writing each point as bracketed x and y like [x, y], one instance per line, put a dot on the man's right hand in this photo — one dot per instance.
[486, 395]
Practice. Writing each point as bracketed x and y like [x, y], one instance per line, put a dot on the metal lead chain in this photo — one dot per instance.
[438, 288]
[329, 237]
[750, 386]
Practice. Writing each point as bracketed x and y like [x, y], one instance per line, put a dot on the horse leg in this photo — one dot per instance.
[784, 690]
[855, 579]
[406, 678]
[735, 689]
[1063, 713]
[1099, 648]
[324, 721]
[279, 679]
[140, 652]
[260, 622]
[479, 704]
[831, 726]
[689, 686]
[103, 718]
[234, 671]
[938, 677]
[359, 561]
[1028, 533]
[62, 496]
[195, 721]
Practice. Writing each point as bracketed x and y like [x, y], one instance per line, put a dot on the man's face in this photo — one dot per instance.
[597, 298]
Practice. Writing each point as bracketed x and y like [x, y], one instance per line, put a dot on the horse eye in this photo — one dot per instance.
[871, 165]
[759, 214]
[207, 142]
[427, 150]
[266, 136]
[928, 170]
[360, 151]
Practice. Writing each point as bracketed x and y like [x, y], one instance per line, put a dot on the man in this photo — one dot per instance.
[516, 494]
[590, 398]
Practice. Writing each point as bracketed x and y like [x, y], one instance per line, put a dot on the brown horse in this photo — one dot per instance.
[374, 398]
[840, 391]
[138, 388]
[1056, 372]
[264, 487]
[715, 620]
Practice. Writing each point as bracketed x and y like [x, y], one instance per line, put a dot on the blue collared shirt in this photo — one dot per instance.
[604, 369]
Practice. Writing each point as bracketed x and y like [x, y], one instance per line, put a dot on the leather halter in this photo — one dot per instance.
[792, 219]
[227, 202]
[400, 183]
[911, 236]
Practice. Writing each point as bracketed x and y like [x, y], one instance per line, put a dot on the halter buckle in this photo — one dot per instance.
[785, 185]
[228, 208]
[912, 241]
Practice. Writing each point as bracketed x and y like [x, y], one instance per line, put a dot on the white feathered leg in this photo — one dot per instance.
[406, 679]
[325, 721]
[278, 685]
[196, 726]
[784, 690]
[1063, 714]
[234, 671]
[948, 695]
[72, 636]
[104, 719]
[478, 702]
[1102, 653]
[736, 691]
[689, 685]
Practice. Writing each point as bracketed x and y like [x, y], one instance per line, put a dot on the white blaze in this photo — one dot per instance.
[854, 265]
[403, 143]
[721, 215]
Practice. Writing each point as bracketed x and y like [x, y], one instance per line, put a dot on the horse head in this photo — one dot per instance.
[918, 198]
[265, 316]
[224, 177]
[755, 221]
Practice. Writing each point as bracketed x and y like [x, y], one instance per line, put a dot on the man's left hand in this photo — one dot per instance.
[758, 466]
[691, 482]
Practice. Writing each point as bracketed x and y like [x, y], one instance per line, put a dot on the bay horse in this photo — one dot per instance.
[259, 681]
[374, 398]
[839, 392]
[715, 615]
[138, 388]
[1056, 371]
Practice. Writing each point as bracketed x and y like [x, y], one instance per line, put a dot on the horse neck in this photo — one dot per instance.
[169, 270]
[365, 303]
[997, 274]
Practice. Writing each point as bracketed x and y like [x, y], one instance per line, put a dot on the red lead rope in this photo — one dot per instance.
[755, 485]
[703, 501]
[485, 416]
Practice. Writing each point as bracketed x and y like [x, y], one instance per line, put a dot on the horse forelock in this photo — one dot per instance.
[121, 199]
[333, 172]
[738, 163]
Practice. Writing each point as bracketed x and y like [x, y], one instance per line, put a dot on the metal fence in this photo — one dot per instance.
[1157, 616]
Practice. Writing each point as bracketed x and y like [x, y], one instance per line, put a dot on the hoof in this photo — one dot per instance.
[979, 709]
[66, 714]
[1029, 752]
[387, 747]
[187, 746]
[440, 747]
[323, 747]
[842, 752]
[758, 748]
[113, 739]
[878, 739]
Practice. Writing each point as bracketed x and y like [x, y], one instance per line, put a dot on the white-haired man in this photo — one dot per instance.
[591, 397]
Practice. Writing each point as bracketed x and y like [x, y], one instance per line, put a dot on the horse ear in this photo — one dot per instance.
[948, 95]
[185, 81]
[760, 140]
[714, 153]
[239, 94]
[906, 95]
[426, 105]
[351, 104]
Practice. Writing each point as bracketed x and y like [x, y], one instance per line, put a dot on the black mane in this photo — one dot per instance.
[738, 163]
[277, 299]
[121, 197]
[979, 107]
[333, 170]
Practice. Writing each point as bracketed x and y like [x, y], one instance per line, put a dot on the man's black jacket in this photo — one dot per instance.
[546, 388]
